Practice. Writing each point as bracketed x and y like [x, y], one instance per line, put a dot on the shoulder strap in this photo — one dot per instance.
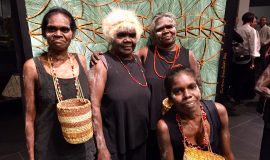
[211, 110]
[77, 59]
[175, 134]
[215, 124]
[40, 68]
[184, 57]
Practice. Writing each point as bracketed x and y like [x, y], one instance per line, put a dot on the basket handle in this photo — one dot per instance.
[56, 81]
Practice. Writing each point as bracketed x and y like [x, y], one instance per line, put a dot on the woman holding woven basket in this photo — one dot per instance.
[119, 91]
[192, 128]
[58, 113]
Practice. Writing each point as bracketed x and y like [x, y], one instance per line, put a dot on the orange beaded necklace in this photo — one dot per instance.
[172, 63]
[206, 143]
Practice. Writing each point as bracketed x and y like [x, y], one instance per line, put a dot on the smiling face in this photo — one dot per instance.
[185, 92]
[58, 32]
[124, 42]
[263, 21]
[164, 31]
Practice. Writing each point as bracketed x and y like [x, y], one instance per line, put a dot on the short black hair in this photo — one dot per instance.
[175, 71]
[248, 17]
[53, 11]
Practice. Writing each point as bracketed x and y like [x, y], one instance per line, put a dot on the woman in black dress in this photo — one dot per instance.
[44, 137]
[191, 122]
[157, 60]
[119, 91]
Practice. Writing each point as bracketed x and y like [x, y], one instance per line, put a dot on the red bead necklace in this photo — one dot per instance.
[134, 79]
[156, 53]
[205, 136]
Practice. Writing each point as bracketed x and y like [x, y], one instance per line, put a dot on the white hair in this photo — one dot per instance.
[120, 19]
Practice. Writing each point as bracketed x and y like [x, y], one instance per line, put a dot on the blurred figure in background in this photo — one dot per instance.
[264, 33]
[244, 59]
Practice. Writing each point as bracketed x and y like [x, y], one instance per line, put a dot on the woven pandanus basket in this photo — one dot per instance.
[75, 117]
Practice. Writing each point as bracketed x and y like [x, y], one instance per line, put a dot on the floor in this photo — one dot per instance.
[245, 127]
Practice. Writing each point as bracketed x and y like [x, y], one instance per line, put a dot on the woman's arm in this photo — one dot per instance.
[142, 53]
[97, 77]
[194, 63]
[263, 82]
[29, 78]
[224, 133]
[164, 141]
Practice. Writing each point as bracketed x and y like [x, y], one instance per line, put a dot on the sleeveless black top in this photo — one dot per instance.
[49, 142]
[155, 83]
[176, 136]
[124, 106]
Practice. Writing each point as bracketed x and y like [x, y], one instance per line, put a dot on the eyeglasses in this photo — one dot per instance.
[52, 29]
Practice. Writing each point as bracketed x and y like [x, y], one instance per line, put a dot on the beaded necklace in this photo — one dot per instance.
[206, 143]
[156, 53]
[56, 81]
[134, 79]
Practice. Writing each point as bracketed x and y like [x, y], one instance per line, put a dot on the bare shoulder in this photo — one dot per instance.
[83, 61]
[29, 67]
[162, 127]
[191, 53]
[81, 57]
[221, 110]
[101, 65]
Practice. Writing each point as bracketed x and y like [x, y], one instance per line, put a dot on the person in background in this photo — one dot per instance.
[263, 88]
[44, 137]
[191, 122]
[243, 61]
[264, 33]
[119, 91]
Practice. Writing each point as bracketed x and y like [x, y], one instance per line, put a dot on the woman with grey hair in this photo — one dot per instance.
[119, 92]
[157, 59]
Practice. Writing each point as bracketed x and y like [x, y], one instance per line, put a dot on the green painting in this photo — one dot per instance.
[200, 27]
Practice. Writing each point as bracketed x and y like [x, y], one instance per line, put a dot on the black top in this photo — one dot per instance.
[49, 142]
[176, 136]
[124, 106]
[155, 83]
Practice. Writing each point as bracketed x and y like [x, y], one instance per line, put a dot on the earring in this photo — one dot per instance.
[166, 105]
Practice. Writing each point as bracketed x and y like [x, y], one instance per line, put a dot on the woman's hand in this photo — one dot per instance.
[265, 91]
[95, 57]
[104, 154]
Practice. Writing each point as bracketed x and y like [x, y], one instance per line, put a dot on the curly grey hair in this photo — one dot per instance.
[120, 19]
[157, 17]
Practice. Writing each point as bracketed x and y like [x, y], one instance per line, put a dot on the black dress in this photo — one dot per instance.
[49, 142]
[124, 108]
[176, 136]
[155, 83]
[157, 90]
